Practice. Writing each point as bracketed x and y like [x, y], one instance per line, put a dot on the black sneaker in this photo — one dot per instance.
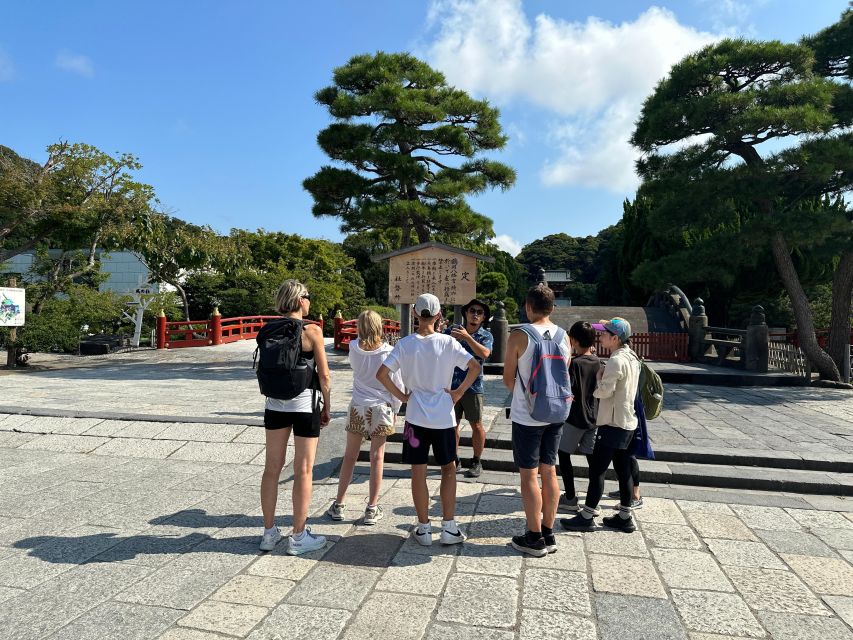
[635, 504]
[550, 543]
[618, 522]
[577, 523]
[475, 470]
[536, 549]
[458, 465]
[614, 494]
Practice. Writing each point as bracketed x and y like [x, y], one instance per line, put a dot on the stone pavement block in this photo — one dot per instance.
[712, 525]
[415, 574]
[471, 599]
[660, 511]
[791, 626]
[828, 576]
[632, 618]
[556, 591]
[843, 607]
[177, 588]
[296, 622]
[365, 549]
[217, 452]
[196, 432]
[219, 478]
[154, 547]
[744, 554]
[772, 590]
[21, 569]
[224, 617]
[138, 429]
[820, 519]
[36, 614]
[73, 444]
[260, 591]
[14, 421]
[182, 633]
[767, 518]
[694, 506]
[489, 556]
[570, 555]
[379, 617]
[835, 538]
[12, 439]
[334, 585]
[496, 526]
[119, 620]
[19, 506]
[551, 625]
[66, 426]
[616, 543]
[687, 569]
[796, 543]
[714, 612]
[440, 631]
[279, 565]
[139, 448]
[625, 576]
[670, 536]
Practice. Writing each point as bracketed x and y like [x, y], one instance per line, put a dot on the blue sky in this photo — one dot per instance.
[216, 98]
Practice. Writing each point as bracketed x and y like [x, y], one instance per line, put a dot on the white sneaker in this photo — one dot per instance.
[423, 536]
[452, 537]
[336, 511]
[269, 540]
[307, 544]
[372, 515]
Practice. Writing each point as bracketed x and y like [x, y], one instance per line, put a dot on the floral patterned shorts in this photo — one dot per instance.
[374, 421]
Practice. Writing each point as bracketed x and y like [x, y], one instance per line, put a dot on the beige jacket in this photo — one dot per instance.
[617, 389]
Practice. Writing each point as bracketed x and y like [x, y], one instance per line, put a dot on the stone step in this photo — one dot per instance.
[679, 473]
[499, 438]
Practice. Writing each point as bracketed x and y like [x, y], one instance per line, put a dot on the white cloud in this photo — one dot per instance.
[75, 63]
[7, 67]
[508, 244]
[593, 76]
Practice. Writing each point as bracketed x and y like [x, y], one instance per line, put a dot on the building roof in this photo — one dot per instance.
[431, 245]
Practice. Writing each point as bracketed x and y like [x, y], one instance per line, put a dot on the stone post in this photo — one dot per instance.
[336, 331]
[696, 330]
[500, 331]
[757, 348]
[215, 337]
[161, 330]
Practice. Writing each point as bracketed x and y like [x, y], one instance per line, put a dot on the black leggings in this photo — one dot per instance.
[622, 465]
[568, 473]
[635, 471]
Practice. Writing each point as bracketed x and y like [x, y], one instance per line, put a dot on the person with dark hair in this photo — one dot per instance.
[534, 443]
[617, 421]
[579, 430]
[477, 341]
[426, 361]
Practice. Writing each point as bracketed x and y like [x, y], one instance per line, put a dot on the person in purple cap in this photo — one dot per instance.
[617, 421]
[426, 360]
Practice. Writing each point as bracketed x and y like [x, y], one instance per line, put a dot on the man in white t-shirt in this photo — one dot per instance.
[426, 361]
[534, 443]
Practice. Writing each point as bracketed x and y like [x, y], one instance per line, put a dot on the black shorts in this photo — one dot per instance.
[302, 423]
[470, 406]
[532, 446]
[417, 441]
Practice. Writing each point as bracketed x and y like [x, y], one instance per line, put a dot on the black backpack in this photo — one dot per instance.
[283, 372]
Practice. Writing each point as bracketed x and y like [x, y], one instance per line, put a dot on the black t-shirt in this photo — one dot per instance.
[582, 373]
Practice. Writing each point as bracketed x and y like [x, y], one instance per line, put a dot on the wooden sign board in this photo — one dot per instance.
[450, 276]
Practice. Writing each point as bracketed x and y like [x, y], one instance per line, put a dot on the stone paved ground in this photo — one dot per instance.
[139, 528]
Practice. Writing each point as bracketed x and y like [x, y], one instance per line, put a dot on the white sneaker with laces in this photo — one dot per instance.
[422, 535]
[372, 515]
[452, 537]
[269, 540]
[336, 511]
[307, 544]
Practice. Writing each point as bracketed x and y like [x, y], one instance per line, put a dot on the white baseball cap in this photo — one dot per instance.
[427, 305]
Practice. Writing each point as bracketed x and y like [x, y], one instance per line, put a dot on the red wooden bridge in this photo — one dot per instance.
[216, 330]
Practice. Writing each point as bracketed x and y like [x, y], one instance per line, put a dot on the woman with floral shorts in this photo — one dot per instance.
[372, 413]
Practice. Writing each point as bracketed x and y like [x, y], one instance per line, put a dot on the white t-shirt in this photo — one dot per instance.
[426, 364]
[518, 411]
[367, 391]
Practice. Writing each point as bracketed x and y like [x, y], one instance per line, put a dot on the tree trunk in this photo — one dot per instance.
[839, 328]
[802, 312]
[183, 295]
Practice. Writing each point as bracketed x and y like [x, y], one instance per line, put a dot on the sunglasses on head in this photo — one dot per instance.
[306, 296]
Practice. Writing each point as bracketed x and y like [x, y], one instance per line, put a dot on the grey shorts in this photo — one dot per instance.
[532, 446]
[470, 406]
[576, 440]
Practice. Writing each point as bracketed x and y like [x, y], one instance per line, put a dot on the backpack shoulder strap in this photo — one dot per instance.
[532, 334]
[559, 335]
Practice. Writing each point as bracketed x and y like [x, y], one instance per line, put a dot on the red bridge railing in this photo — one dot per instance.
[216, 330]
[346, 331]
[662, 347]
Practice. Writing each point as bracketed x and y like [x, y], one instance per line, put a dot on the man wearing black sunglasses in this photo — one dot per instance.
[477, 341]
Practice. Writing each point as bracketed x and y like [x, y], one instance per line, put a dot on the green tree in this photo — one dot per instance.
[722, 103]
[407, 151]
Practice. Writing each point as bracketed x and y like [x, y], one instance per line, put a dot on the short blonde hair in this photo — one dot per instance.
[289, 296]
[369, 325]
